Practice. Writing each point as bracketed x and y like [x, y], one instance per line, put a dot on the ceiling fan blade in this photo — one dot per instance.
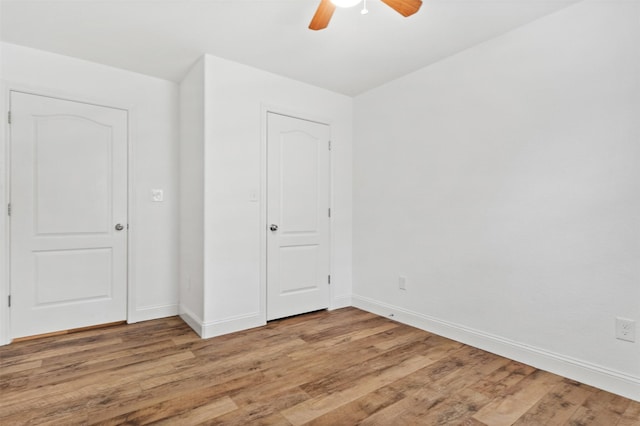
[323, 15]
[404, 7]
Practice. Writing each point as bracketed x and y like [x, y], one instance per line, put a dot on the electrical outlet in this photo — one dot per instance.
[402, 282]
[157, 195]
[625, 329]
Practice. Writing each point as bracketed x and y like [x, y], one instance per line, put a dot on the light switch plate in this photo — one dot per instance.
[157, 195]
[402, 282]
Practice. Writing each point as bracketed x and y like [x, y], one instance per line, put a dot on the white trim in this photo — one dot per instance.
[331, 239]
[5, 285]
[222, 326]
[145, 313]
[192, 320]
[265, 109]
[293, 113]
[591, 374]
[61, 95]
[5, 318]
[231, 325]
[131, 223]
[262, 225]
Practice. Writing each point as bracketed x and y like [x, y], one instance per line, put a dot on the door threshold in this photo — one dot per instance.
[63, 332]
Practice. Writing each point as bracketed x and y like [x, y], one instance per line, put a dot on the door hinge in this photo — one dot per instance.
[9, 301]
[9, 117]
[329, 279]
[9, 209]
[329, 212]
[329, 145]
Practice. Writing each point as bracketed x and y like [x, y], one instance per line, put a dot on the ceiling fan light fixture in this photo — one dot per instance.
[325, 10]
[345, 3]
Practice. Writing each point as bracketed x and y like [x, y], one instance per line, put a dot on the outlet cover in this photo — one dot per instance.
[625, 329]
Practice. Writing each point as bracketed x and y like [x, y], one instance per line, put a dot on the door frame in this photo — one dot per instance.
[265, 109]
[6, 87]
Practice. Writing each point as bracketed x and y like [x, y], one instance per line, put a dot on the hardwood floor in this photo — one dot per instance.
[343, 367]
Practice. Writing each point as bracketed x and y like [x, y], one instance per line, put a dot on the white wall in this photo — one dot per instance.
[192, 139]
[504, 183]
[154, 161]
[236, 98]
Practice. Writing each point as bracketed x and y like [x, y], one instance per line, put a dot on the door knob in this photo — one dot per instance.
[273, 227]
[119, 227]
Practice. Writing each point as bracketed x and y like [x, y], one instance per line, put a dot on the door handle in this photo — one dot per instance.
[273, 227]
[119, 227]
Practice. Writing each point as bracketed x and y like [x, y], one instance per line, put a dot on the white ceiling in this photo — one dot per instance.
[163, 38]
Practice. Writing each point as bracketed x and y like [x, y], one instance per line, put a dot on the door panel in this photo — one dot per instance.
[68, 190]
[299, 182]
[298, 204]
[57, 187]
[62, 276]
[298, 268]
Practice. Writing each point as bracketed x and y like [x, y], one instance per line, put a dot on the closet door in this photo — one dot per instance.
[68, 214]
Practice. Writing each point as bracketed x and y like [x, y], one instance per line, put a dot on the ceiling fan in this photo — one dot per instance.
[326, 7]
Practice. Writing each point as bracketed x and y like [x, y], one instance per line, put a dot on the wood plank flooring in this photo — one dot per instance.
[344, 367]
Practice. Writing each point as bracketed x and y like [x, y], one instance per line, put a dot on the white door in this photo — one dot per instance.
[68, 203]
[297, 216]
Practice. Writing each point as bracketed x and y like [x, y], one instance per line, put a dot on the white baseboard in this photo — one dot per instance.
[210, 329]
[340, 302]
[192, 320]
[146, 313]
[232, 324]
[594, 375]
